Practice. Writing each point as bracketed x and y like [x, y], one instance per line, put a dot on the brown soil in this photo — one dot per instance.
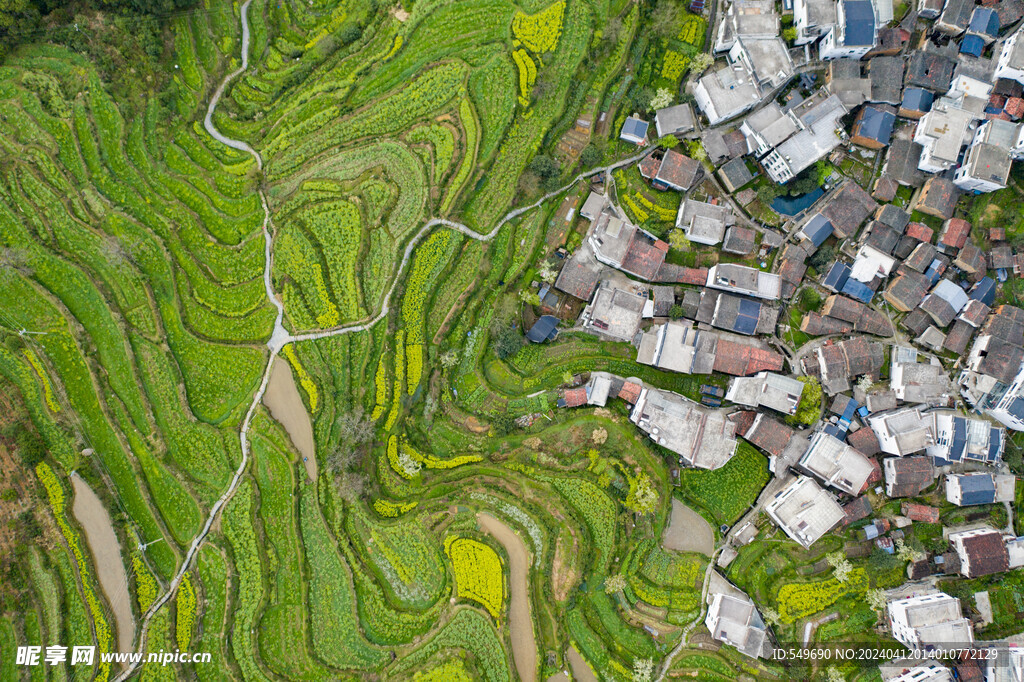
[285, 404]
[563, 574]
[99, 533]
[580, 670]
[687, 531]
[524, 643]
[474, 425]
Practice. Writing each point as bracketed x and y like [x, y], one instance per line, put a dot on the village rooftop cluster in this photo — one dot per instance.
[918, 356]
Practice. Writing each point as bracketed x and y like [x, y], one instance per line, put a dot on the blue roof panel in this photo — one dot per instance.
[860, 22]
[917, 99]
[875, 124]
[984, 291]
[837, 276]
[858, 290]
[818, 229]
[972, 45]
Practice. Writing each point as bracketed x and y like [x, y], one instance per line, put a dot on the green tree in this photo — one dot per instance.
[809, 409]
[676, 312]
[767, 193]
[507, 341]
[677, 240]
[668, 142]
[789, 34]
[665, 18]
[503, 424]
[822, 258]
[591, 156]
[699, 63]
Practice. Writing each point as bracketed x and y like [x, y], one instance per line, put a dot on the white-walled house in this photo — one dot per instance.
[1011, 59]
[853, 35]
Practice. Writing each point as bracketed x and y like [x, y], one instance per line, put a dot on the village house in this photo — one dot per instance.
[836, 464]
[742, 279]
[676, 120]
[766, 389]
[734, 620]
[704, 223]
[804, 511]
[702, 438]
[853, 34]
[757, 66]
[931, 618]
[982, 551]
[965, 490]
[907, 476]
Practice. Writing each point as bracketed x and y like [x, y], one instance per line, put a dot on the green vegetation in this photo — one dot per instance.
[725, 494]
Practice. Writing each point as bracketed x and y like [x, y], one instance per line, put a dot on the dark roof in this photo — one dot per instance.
[984, 291]
[874, 123]
[972, 259]
[885, 188]
[886, 75]
[1000, 257]
[908, 289]
[882, 237]
[918, 99]
[816, 324]
[736, 143]
[957, 13]
[1007, 324]
[930, 70]
[847, 208]
[863, 356]
[739, 240]
[664, 299]
[893, 216]
[901, 162]
[958, 337]
[544, 329]
[916, 322]
[736, 173]
[921, 257]
[817, 229]
[1010, 11]
[860, 22]
[908, 476]
[987, 554]
[939, 309]
[939, 197]
[1007, 87]
[578, 277]
[1002, 361]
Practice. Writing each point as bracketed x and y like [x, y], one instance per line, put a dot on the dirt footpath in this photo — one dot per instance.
[524, 645]
[580, 670]
[92, 516]
[285, 404]
[687, 531]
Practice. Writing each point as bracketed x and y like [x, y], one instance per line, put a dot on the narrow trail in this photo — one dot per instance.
[281, 336]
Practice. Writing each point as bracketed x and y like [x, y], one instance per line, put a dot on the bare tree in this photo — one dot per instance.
[665, 18]
[15, 260]
[351, 485]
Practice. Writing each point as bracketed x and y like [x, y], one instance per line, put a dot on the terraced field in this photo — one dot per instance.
[335, 188]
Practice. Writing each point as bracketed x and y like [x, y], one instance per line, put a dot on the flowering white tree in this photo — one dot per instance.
[907, 553]
[643, 670]
[838, 561]
[408, 464]
[614, 583]
[661, 99]
[876, 600]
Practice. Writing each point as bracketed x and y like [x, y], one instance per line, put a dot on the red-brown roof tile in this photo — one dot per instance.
[955, 233]
[920, 231]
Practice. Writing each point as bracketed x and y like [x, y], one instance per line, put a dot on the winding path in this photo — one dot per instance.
[281, 336]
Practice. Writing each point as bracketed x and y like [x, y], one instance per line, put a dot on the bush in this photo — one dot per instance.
[507, 341]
